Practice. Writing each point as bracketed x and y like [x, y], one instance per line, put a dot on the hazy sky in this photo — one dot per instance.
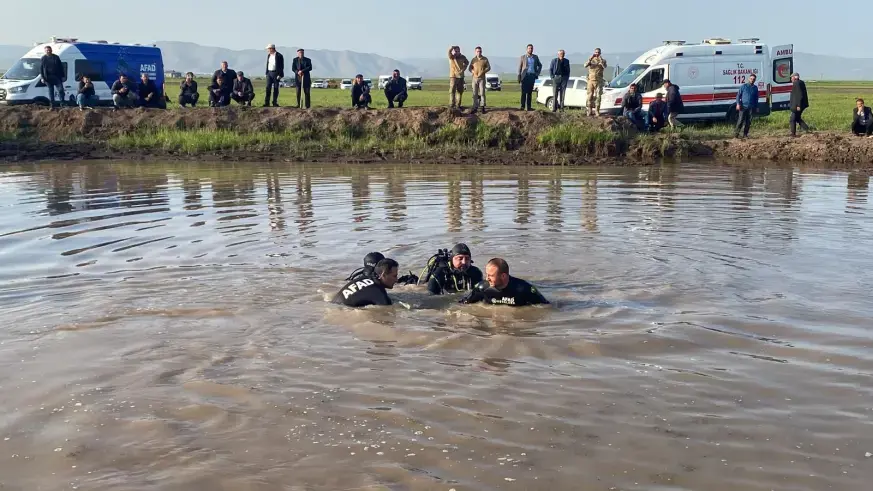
[405, 29]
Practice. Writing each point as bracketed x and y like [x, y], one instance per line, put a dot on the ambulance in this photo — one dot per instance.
[709, 75]
[102, 61]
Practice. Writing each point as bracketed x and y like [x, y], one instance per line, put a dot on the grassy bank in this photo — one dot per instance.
[830, 109]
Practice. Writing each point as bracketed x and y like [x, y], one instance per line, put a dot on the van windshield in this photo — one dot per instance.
[627, 77]
[415, 79]
[24, 69]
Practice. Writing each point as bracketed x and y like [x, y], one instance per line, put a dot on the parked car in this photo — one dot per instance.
[320, 84]
[346, 84]
[369, 83]
[414, 83]
[288, 82]
[575, 96]
[492, 82]
[383, 79]
[539, 83]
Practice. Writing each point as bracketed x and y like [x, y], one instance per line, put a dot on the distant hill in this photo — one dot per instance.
[193, 57]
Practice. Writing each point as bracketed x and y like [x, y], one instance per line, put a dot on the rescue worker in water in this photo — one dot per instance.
[456, 276]
[370, 290]
[499, 288]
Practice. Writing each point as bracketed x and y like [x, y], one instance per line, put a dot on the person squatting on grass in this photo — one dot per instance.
[395, 90]
[457, 64]
[361, 98]
[123, 92]
[862, 119]
[243, 92]
[188, 91]
[86, 96]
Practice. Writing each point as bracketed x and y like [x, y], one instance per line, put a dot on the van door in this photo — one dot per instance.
[780, 78]
[577, 93]
[651, 83]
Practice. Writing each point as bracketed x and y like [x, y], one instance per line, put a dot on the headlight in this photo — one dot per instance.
[18, 90]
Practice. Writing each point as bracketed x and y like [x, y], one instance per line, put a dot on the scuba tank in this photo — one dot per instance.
[441, 258]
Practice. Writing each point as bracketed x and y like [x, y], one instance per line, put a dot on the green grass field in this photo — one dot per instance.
[830, 109]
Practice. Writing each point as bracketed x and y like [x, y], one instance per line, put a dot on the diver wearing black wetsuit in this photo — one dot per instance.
[370, 261]
[370, 290]
[456, 275]
[502, 289]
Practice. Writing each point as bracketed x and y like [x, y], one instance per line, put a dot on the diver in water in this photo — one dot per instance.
[370, 261]
[372, 290]
[451, 271]
[502, 289]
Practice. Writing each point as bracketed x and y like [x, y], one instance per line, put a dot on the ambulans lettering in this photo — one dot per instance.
[357, 286]
[785, 52]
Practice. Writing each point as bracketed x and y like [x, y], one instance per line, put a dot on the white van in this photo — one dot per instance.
[709, 75]
[383, 79]
[346, 84]
[103, 62]
[414, 83]
[492, 82]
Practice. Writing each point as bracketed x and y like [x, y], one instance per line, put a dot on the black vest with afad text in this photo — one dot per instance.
[362, 292]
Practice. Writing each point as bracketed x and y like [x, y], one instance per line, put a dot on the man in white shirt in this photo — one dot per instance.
[275, 72]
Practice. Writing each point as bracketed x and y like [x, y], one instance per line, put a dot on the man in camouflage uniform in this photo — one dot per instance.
[596, 65]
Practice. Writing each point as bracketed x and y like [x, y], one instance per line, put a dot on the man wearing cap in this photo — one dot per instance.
[499, 288]
[301, 66]
[243, 91]
[457, 276]
[370, 261]
[275, 72]
[370, 290]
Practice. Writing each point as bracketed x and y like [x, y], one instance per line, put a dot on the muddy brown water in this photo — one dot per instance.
[165, 328]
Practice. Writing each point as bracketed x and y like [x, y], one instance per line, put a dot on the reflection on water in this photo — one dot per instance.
[166, 328]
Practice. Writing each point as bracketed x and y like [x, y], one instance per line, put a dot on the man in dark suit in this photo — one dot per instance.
[799, 102]
[275, 72]
[862, 120]
[560, 73]
[301, 68]
[243, 91]
[227, 77]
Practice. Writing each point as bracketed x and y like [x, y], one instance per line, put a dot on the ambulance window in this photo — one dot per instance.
[653, 80]
[782, 70]
[65, 71]
[93, 69]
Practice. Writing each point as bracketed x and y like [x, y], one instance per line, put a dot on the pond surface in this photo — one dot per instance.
[166, 328]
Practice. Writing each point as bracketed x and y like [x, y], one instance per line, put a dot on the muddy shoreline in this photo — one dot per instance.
[31, 133]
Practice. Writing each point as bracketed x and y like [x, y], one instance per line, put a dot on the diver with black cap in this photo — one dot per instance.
[451, 271]
[370, 290]
[370, 261]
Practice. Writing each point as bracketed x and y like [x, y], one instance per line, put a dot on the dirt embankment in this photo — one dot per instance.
[29, 133]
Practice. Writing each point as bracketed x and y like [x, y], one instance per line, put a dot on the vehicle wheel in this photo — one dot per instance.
[550, 103]
[41, 101]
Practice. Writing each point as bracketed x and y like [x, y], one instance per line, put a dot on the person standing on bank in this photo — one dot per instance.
[457, 64]
[559, 70]
[529, 68]
[301, 68]
[674, 104]
[596, 65]
[275, 72]
[799, 102]
[51, 71]
[747, 103]
[479, 67]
